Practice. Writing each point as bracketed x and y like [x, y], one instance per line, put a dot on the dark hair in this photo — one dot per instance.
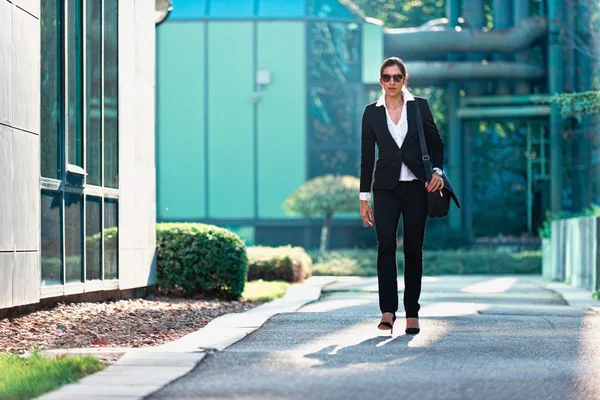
[388, 62]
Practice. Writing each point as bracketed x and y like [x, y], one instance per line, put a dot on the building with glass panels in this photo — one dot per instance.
[77, 170]
[255, 97]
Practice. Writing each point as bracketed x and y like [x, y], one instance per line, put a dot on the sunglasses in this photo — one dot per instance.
[397, 77]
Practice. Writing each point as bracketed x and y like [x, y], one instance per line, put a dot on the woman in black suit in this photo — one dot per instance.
[399, 187]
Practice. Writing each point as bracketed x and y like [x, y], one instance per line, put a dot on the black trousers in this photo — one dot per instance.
[408, 199]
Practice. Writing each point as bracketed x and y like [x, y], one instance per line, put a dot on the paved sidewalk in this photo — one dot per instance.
[140, 372]
[483, 337]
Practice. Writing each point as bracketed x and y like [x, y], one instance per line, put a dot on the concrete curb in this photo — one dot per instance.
[141, 372]
[574, 296]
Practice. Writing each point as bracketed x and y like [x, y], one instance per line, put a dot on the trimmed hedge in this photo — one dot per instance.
[460, 262]
[196, 258]
[285, 263]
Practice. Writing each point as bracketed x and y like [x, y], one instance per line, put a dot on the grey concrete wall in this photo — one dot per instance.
[557, 238]
[19, 152]
[580, 252]
[137, 170]
[573, 253]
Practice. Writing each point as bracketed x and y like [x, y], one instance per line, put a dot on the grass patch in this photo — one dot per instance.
[263, 291]
[454, 262]
[26, 378]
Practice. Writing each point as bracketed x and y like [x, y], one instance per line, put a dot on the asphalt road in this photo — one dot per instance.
[481, 338]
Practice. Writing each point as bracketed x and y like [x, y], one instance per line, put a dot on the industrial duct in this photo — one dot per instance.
[431, 73]
[415, 44]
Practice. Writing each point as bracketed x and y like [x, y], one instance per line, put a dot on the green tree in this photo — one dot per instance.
[403, 14]
[322, 196]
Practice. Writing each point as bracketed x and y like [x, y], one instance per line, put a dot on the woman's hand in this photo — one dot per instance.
[366, 213]
[436, 183]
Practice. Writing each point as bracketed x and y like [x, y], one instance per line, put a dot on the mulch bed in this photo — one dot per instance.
[124, 323]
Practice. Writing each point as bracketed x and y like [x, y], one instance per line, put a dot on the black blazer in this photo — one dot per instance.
[389, 162]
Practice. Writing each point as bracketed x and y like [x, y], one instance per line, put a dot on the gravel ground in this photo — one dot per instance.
[125, 323]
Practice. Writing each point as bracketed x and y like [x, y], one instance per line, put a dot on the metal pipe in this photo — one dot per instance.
[431, 73]
[504, 112]
[502, 14]
[584, 62]
[417, 43]
[503, 19]
[474, 16]
[455, 158]
[522, 99]
[521, 13]
[555, 83]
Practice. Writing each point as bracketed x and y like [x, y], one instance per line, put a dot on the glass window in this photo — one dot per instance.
[51, 238]
[73, 238]
[74, 82]
[111, 94]
[329, 9]
[333, 109]
[51, 87]
[337, 162]
[111, 238]
[335, 51]
[335, 97]
[93, 49]
[93, 238]
[64, 80]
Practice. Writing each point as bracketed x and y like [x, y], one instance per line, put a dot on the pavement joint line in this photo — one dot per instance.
[215, 336]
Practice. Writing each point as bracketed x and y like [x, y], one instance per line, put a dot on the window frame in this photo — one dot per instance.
[72, 177]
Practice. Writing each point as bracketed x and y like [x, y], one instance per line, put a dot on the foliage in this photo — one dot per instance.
[403, 14]
[263, 291]
[27, 378]
[545, 230]
[438, 103]
[596, 295]
[322, 196]
[578, 104]
[499, 178]
[457, 262]
[285, 263]
[200, 259]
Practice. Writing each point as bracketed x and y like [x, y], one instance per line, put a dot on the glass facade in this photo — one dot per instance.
[335, 98]
[111, 238]
[51, 87]
[93, 95]
[74, 103]
[93, 238]
[79, 228]
[52, 267]
[73, 238]
[111, 94]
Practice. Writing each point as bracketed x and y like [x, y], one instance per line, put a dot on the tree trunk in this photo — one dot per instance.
[325, 232]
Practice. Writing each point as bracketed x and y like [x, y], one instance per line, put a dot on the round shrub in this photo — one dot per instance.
[285, 263]
[196, 258]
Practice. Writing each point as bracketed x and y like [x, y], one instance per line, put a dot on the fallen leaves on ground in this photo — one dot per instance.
[123, 323]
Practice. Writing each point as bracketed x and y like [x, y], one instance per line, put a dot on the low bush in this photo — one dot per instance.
[195, 258]
[285, 263]
[460, 262]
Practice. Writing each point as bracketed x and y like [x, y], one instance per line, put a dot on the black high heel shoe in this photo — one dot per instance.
[384, 326]
[412, 331]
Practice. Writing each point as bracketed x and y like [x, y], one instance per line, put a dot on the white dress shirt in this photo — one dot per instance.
[398, 132]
